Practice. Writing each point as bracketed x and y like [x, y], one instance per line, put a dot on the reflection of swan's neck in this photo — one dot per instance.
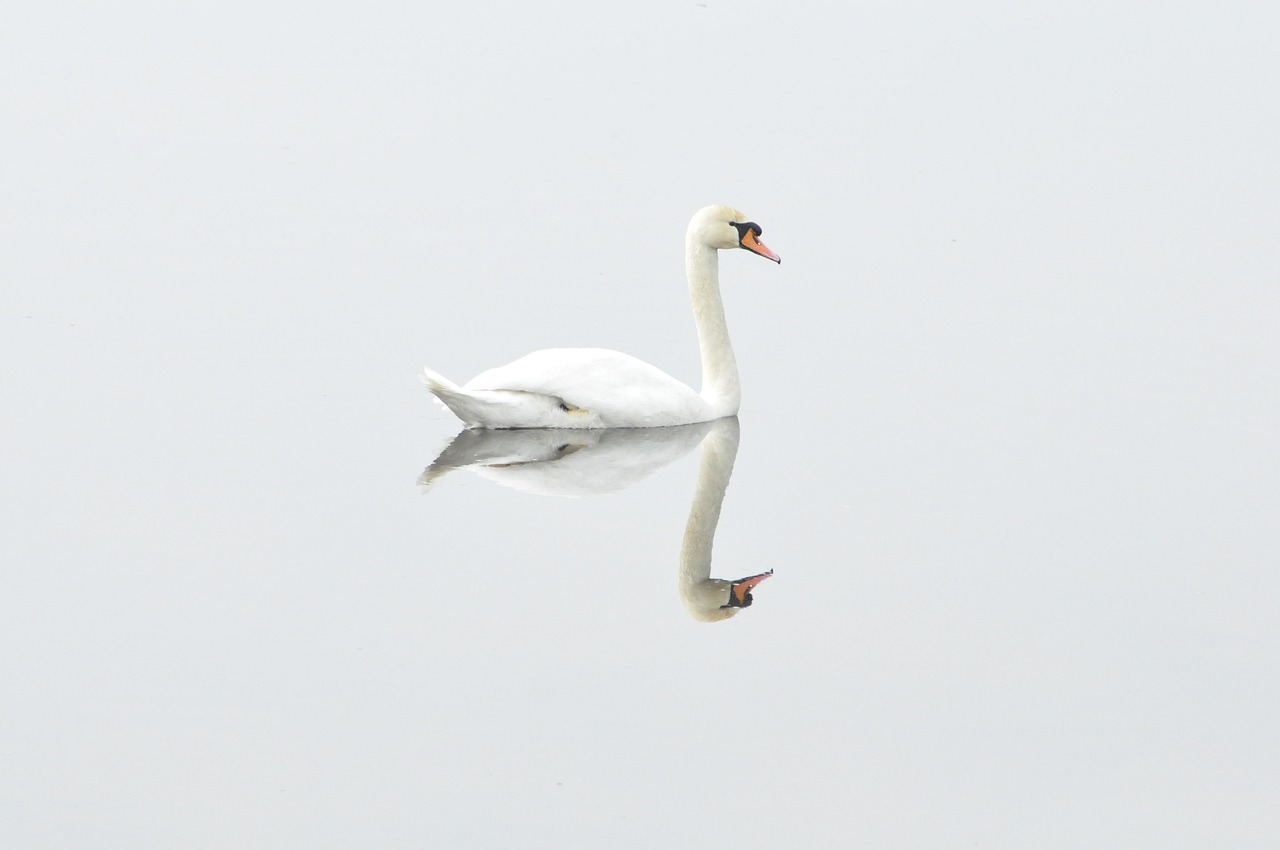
[702, 595]
[720, 386]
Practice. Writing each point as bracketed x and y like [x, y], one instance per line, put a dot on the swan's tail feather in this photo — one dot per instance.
[475, 409]
[449, 394]
[506, 408]
[438, 383]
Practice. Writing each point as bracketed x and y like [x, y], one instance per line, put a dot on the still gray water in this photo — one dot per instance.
[1007, 438]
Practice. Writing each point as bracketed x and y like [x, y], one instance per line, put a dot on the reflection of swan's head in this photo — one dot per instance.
[718, 599]
[740, 590]
[724, 227]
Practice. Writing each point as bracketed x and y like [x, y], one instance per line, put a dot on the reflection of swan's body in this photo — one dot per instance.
[706, 598]
[598, 388]
[551, 462]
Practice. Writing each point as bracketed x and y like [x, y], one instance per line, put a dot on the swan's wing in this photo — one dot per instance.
[622, 390]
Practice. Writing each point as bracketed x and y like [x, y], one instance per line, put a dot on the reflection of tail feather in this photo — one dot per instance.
[504, 449]
[444, 462]
[430, 475]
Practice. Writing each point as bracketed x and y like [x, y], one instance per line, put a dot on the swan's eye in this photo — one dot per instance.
[745, 227]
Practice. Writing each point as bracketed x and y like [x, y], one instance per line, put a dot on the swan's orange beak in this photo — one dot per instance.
[740, 590]
[751, 243]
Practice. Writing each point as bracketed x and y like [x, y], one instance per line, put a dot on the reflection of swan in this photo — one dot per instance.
[706, 598]
[550, 461]
[553, 462]
[598, 388]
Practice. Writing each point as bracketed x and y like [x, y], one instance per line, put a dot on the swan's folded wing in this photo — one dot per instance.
[623, 391]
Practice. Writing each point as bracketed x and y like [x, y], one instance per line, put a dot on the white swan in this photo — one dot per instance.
[599, 388]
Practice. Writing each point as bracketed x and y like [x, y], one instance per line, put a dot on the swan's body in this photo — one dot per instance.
[599, 388]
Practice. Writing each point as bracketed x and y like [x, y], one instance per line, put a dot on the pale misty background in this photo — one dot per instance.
[1008, 431]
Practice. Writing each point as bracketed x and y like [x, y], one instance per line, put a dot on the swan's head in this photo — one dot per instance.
[724, 227]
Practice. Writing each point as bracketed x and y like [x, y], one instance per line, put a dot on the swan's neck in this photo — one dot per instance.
[702, 595]
[720, 388]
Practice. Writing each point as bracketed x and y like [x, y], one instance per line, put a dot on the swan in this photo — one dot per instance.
[599, 388]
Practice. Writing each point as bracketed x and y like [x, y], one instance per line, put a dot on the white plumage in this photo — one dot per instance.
[600, 388]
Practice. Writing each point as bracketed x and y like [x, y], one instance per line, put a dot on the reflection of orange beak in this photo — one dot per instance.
[741, 587]
[751, 243]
